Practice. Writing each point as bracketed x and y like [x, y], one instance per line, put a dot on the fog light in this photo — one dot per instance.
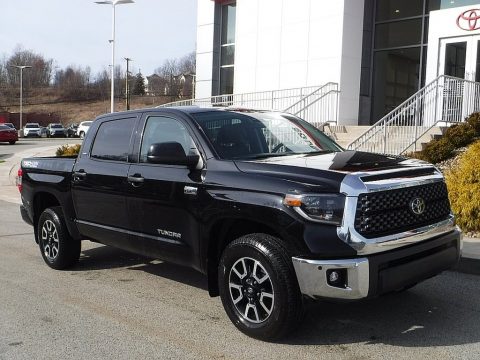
[337, 278]
[333, 277]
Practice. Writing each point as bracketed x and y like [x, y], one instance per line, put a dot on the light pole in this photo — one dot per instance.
[127, 90]
[21, 67]
[112, 41]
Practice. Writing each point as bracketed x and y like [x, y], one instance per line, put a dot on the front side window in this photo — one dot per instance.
[112, 141]
[261, 135]
[160, 129]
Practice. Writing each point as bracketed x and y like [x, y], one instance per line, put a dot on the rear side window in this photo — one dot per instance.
[112, 141]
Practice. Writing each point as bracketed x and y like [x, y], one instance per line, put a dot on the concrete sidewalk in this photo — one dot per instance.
[469, 262]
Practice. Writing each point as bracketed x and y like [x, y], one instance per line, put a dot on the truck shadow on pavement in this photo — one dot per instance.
[442, 311]
[105, 257]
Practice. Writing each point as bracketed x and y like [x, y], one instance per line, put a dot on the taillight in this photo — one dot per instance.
[19, 179]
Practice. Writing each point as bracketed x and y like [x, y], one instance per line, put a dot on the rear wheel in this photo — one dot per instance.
[59, 250]
[82, 135]
[258, 287]
[12, 142]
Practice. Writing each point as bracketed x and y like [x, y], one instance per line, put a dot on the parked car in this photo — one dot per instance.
[9, 125]
[72, 130]
[7, 134]
[43, 131]
[83, 128]
[263, 203]
[32, 129]
[56, 130]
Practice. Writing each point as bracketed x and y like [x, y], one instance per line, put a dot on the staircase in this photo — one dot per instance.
[444, 101]
[316, 104]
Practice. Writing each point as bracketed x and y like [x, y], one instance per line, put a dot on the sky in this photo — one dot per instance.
[76, 32]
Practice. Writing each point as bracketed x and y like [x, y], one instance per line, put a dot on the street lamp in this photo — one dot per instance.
[21, 67]
[112, 41]
[127, 89]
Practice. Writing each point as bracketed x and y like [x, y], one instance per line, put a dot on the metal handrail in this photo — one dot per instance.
[316, 104]
[446, 100]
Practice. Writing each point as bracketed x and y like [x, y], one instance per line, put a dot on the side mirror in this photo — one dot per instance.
[171, 153]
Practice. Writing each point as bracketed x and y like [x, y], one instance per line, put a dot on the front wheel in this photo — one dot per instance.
[259, 288]
[82, 135]
[59, 250]
[12, 142]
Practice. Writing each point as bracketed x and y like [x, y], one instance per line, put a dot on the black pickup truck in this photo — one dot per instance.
[263, 203]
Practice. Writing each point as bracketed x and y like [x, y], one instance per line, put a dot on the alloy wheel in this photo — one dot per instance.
[50, 241]
[251, 290]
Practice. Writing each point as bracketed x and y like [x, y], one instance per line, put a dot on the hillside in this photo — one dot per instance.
[68, 112]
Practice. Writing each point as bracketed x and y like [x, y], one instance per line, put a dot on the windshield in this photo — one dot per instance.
[32, 126]
[261, 135]
[86, 123]
[5, 127]
[56, 126]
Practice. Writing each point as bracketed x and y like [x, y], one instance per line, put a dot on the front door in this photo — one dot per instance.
[459, 58]
[163, 200]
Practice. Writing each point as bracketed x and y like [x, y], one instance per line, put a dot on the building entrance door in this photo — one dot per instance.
[459, 57]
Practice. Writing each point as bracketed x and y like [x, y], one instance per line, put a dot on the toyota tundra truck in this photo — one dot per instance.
[267, 206]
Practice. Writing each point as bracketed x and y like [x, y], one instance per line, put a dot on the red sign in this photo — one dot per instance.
[469, 20]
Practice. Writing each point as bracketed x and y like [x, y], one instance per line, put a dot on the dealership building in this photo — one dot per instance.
[378, 52]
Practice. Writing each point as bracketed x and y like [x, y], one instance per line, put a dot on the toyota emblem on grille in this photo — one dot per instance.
[417, 206]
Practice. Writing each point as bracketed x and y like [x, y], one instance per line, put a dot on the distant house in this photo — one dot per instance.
[180, 86]
[156, 85]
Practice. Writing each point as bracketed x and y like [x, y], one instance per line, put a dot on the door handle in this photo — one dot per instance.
[135, 180]
[79, 175]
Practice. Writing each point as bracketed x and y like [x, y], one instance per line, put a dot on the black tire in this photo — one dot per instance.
[266, 309]
[12, 142]
[82, 135]
[59, 250]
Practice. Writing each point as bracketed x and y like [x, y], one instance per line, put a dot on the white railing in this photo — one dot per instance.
[444, 101]
[315, 104]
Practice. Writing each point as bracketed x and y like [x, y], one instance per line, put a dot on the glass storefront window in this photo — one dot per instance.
[228, 23]
[399, 33]
[226, 80]
[227, 48]
[396, 78]
[397, 9]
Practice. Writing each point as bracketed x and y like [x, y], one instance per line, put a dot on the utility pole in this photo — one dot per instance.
[127, 89]
[21, 68]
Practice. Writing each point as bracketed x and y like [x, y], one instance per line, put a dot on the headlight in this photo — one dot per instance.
[325, 208]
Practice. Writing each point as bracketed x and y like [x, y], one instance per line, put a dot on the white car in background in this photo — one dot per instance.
[83, 128]
[32, 129]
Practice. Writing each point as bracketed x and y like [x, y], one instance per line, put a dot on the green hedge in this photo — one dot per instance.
[455, 137]
[68, 150]
[463, 182]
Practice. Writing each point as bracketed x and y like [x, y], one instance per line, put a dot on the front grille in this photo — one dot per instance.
[389, 212]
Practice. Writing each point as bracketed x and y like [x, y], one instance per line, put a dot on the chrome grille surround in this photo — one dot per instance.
[353, 186]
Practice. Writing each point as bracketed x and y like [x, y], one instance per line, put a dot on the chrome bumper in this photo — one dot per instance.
[312, 278]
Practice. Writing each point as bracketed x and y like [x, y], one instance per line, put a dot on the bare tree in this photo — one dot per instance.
[38, 76]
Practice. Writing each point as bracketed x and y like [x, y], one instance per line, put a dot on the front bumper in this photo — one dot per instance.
[377, 274]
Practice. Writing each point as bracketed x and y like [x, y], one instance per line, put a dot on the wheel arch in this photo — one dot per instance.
[221, 234]
[41, 201]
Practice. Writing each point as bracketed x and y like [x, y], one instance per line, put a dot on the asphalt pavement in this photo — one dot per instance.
[115, 305]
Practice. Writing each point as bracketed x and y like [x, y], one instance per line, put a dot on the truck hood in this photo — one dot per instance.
[329, 167]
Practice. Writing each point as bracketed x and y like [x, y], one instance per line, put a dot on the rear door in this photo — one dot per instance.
[100, 182]
[163, 200]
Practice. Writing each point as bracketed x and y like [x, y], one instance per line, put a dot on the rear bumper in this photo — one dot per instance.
[25, 216]
[377, 274]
